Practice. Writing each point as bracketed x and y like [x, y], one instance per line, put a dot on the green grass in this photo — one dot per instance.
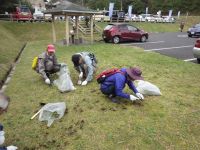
[8, 51]
[170, 121]
[20, 33]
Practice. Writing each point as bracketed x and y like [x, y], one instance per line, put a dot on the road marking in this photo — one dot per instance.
[190, 59]
[151, 42]
[184, 36]
[144, 43]
[159, 49]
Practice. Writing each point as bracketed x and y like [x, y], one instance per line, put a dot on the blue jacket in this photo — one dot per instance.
[119, 80]
[3, 148]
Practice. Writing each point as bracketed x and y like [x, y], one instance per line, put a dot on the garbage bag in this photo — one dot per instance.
[64, 82]
[147, 88]
[51, 112]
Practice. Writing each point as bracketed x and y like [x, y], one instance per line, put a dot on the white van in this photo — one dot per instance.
[39, 15]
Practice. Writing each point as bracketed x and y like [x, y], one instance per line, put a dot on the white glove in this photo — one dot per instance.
[11, 147]
[133, 98]
[79, 82]
[80, 75]
[84, 83]
[47, 81]
[139, 95]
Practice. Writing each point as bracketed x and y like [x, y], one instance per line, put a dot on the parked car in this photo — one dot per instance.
[194, 31]
[168, 19]
[118, 32]
[196, 50]
[38, 14]
[22, 13]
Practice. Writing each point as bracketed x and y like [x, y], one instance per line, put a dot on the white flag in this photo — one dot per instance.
[170, 13]
[147, 10]
[179, 14]
[111, 6]
[130, 11]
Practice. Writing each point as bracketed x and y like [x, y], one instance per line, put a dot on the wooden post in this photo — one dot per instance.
[53, 29]
[76, 25]
[67, 29]
[91, 29]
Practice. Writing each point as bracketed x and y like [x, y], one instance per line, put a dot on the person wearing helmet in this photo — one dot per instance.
[113, 85]
[47, 63]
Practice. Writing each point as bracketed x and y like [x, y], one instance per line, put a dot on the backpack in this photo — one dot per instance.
[34, 63]
[92, 57]
[106, 73]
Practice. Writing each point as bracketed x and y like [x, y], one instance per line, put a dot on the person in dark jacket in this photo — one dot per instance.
[113, 85]
[2, 139]
[85, 63]
[182, 26]
[47, 63]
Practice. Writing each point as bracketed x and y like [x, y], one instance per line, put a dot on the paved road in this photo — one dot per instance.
[176, 45]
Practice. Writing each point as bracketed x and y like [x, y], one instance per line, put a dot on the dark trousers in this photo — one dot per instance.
[54, 70]
[109, 90]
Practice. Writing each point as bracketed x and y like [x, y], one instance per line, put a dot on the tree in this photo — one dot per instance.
[9, 5]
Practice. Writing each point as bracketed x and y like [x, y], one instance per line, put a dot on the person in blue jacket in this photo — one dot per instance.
[113, 85]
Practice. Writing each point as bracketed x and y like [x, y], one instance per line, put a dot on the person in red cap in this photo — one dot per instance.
[47, 63]
[113, 85]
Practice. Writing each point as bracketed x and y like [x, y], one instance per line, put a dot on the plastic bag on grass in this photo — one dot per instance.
[147, 88]
[51, 112]
[64, 82]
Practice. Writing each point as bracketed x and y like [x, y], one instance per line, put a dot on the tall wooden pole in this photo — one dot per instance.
[76, 25]
[91, 29]
[53, 29]
[67, 29]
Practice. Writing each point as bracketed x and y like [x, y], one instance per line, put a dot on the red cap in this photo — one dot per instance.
[51, 48]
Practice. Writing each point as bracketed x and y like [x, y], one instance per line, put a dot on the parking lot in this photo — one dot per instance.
[176, 45]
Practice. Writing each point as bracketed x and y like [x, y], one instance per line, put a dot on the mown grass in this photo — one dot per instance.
[170, 121]
[10, 47]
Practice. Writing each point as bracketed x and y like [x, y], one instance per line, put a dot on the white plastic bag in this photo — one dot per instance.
[51, 112]
[147, 88]
[64, 82]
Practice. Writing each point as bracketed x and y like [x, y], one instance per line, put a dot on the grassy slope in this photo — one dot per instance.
[9, 49]
[169, 121]
[14, 35]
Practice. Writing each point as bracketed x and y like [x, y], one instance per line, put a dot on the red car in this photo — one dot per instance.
[196, 50]
[118, 32]
[22, 13]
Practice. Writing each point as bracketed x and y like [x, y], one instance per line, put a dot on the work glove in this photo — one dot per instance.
[79, 82]
[133, 98]
[2, 138]
[140, 96]
[47, 81]
[84, 83]
[80, 75]
[11, 147]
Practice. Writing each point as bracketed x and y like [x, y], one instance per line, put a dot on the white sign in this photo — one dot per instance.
[111, 6]
[130, 11]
